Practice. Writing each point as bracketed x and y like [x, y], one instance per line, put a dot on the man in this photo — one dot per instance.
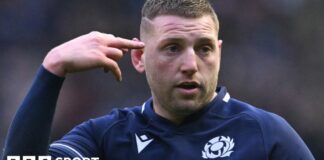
[186, 118]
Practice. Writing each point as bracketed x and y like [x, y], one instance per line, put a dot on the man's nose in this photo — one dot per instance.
[189, 64]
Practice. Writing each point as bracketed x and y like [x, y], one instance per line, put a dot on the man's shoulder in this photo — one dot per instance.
[117, 116]
[270, 125]
[91, 134]
[228, 108]
[236, 108]
[118, 119]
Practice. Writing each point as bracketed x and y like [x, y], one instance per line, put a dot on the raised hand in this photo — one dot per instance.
[93, 50]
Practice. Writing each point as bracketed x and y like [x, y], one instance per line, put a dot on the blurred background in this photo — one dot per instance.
[272, 58]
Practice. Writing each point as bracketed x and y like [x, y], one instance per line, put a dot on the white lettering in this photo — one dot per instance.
[29, 158]
[13, 158]
[48, 158]
[44, 157]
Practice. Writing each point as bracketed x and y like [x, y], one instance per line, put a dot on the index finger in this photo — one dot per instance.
[125, 43]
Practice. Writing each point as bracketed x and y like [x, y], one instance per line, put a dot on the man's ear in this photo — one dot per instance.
[137, 56]
[220, 44]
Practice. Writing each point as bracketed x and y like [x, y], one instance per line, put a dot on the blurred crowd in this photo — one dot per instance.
[272, 57]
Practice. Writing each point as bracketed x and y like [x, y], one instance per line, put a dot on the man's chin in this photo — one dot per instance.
[187, 107]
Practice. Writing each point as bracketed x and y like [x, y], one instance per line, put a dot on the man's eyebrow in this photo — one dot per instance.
[165, 40]
[172, 39]
[207, 39]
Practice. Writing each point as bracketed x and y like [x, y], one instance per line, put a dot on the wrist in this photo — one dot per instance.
[54, 64]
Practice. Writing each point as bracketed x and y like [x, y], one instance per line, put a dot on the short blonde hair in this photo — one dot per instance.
[182, 8]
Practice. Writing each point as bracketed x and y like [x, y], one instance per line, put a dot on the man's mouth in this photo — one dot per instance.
[188, 85]
[189, 88]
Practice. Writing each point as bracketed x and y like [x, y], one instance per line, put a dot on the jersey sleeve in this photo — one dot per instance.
[282, 141]
[87, 139]
[30, 129]
[79, 142]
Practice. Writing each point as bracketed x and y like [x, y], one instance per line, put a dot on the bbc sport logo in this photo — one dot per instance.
[48, 158]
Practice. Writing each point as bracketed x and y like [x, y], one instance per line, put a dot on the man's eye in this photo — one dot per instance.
[205, 50]
[172, 48]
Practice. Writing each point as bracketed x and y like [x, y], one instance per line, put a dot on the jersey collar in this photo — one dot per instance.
[154, 119]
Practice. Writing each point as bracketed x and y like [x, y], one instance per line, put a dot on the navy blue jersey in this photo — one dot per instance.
[224, 129]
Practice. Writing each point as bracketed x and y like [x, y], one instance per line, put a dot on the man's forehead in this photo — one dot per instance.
[170, 22]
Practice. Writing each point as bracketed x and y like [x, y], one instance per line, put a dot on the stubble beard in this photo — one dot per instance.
[182, 107]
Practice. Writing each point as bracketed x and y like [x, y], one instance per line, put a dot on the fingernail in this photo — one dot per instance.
[138, 41]
[141, 43]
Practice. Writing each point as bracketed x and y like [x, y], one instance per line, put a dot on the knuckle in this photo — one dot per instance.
[110, 36]
[118, 38]
[95, 36]
[94, 33]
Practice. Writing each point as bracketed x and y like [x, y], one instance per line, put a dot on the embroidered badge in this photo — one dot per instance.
[219, 146]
